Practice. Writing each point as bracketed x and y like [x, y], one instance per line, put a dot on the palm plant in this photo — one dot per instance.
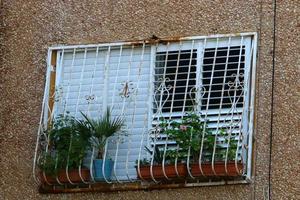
[103, 128]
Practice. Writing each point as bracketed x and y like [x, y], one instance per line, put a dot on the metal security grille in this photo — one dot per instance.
[221, 66]
[178, 69]
[148, 82]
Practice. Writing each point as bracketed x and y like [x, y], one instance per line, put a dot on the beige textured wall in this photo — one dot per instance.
[30, 26]
[286, 126]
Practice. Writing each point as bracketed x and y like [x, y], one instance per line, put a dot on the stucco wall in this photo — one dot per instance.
[30, 26]
[285, 171]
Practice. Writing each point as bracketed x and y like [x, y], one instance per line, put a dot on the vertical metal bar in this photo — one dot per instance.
[93, 78]
[141, 144]
[59, 68]
[56, 177]
[166, 143]
[76, 112]
[159, 115]
[80, 82]
[135, 97]
[209, 93]
[183, 108]
[69, 82]
[88, 98]
[242, 131]
[53, 77]
[151, 98]
[41, 117]
[106, 79]
[174, 88]
[222, 94]
[188, 78]
[80, 174]
[104, 106]
[68, 160]
[252, 101]
[57, 82]
[200, 83]
[84, 63]
[117, 75]
[91, 165]
[124, 101]
[112, 103]
[103, 163]
[64, 112]
[149, 115]
[88, 112]
[234, 102]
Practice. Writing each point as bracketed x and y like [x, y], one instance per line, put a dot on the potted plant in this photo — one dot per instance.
[170, 169]
[188, 134]
[101, 129]
[222, 165]
[68, 142]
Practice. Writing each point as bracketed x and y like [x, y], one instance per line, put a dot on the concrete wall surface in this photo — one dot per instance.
[29, 27]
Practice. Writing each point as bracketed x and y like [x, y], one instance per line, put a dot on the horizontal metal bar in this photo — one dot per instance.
[225, 49]
[100, 187]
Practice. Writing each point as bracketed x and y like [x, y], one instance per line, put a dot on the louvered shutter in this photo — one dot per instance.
[90, 80]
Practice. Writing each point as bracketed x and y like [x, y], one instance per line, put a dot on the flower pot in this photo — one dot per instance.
[73, 174]
[158, 173]
[98, 169]
[219, 167]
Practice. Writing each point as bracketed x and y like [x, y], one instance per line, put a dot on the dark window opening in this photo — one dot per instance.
[223, 80]
[178, 68]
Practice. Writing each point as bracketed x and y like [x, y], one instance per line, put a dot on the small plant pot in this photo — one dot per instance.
[74, 177]
[170, 171]
[219, 168]
[98, 169]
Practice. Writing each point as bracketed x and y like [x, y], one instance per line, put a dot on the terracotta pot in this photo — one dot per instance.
[62, 176]
[158, 171]
[219, 168]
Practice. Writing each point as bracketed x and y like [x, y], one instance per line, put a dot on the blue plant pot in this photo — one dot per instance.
[98, 172]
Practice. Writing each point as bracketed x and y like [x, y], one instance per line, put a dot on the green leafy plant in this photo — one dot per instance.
[230, 150]
[103, 128]
[188, 134]
[69, 139]
[143, 162]
[47, 163]
[159, 155]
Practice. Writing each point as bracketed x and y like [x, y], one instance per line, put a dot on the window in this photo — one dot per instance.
[178, 70]
[151, 82]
